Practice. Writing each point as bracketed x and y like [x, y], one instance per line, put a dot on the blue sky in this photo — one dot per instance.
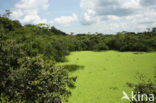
[82, 16]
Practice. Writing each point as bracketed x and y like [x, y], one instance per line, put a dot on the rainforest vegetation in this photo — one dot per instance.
[28, 54]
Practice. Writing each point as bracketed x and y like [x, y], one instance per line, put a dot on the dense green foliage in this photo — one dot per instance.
[28, 55]
[27, 66]
[121, 41]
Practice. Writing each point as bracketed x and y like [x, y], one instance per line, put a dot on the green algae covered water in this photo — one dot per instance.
[105, 74]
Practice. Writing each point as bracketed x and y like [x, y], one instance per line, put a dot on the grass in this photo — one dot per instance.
[106, 74]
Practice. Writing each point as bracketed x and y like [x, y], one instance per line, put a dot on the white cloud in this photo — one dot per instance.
[88, 17]
[118, 15]
[107, 16]
[27, 11]
[65, 20]
[112, 17]
[131, 4]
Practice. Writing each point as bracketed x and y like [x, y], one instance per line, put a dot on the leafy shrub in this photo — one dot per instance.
[30, 78]
[143, 87]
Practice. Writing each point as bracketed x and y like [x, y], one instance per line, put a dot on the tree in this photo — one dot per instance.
[7, 13]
